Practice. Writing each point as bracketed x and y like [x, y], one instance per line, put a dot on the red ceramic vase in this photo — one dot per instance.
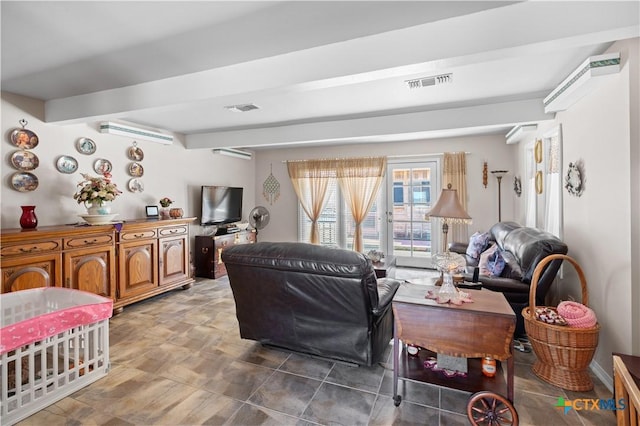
[28, 219]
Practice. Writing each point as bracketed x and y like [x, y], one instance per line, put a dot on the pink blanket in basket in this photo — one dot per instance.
[63, 310]
[577, 315]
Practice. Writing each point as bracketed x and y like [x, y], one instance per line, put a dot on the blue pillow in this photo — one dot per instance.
[496, 263]
[477, 244]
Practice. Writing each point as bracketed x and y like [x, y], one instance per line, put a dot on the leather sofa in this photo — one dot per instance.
[522, 248]
[312, 299]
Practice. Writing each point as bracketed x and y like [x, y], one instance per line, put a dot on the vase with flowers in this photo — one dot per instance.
[96, 193]
[164, 211]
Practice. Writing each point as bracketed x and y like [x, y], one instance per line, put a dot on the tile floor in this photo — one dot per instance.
[177, 359]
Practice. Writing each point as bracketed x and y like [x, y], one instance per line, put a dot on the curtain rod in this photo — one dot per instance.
[388, 156]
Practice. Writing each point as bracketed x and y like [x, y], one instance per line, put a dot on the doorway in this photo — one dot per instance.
[411, 190]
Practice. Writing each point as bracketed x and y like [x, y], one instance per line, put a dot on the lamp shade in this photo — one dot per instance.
[449, 207]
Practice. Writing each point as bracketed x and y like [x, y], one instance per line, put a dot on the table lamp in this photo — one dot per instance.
[449, 209]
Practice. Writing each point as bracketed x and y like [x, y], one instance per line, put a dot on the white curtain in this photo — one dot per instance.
[530, 188]
[553, 186]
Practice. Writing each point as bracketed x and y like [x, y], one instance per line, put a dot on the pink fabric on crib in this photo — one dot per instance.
[40, 327]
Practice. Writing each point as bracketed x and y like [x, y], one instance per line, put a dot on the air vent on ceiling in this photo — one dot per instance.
[430, 81]
[242, 107]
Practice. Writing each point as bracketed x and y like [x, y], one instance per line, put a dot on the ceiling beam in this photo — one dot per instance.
[410, 125]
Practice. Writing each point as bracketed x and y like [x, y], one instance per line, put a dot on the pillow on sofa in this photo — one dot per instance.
[483, 264]
[496, 263]
[477, 244]
[492, 262]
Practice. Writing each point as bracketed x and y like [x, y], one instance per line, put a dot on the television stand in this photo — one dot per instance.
[208, 251]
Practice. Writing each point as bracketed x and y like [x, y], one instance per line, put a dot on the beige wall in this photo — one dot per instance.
[169, 170]
[482, 202]
[601, 226]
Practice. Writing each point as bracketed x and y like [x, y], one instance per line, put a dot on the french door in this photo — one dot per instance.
[412, 189]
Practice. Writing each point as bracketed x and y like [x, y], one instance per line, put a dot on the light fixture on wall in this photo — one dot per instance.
[499, 174]
[581, 81]
[232, 152]
[518, 133]
[135, 132]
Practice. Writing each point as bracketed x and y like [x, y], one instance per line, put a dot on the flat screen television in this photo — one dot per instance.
[221, 204]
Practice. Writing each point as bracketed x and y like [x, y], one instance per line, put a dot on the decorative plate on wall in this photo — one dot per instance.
[24, 139]
[66, 164]
[102, 166]
[136, 169]
[135, 153]
[85, 146]
[135, 185]
[24, 181]
[24, 160]
[574, 180]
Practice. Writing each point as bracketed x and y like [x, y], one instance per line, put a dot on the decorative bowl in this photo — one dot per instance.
[98, 219]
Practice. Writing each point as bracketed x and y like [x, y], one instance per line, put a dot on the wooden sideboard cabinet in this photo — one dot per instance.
[208, 252]
[139, 260]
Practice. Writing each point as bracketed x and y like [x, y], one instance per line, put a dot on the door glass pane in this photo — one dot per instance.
[410, 235]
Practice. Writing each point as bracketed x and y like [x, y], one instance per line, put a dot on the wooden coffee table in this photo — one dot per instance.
[471, 330]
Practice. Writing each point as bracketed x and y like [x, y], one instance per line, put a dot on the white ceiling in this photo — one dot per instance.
[321, 72]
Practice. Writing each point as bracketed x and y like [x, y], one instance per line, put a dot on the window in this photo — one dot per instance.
[336, 225]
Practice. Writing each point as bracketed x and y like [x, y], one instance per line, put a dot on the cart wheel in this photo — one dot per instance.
[397, 400]
[488, 408]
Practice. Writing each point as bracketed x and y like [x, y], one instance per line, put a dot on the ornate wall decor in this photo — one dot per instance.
[574, 180]
[485, 174]
[517, 185]
[271, 188]
[539, 182]
[537, 151]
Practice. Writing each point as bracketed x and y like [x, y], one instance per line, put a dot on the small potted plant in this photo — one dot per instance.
[164, 211]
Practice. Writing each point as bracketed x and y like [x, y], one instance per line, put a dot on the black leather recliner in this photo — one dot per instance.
[523, 248]
[312, 299]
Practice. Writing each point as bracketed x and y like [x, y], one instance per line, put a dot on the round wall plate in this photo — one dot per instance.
[135, 185]
[24, 139]
[24, 181]
[135, 153]
[102, 166]
[66, 164]
[136, 169]
[24, 160]
[85, 146]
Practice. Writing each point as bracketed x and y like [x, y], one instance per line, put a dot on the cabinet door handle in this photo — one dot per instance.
[205, 250]
[138, 235]
[220, 256]
[173, 231]
[94, 241]
[29, 250]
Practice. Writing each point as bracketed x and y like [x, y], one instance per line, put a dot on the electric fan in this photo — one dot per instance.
[259, 218]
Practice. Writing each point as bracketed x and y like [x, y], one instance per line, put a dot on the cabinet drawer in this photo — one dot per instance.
[173, 230]
[88, 240]
[137, 235]
[31, 248]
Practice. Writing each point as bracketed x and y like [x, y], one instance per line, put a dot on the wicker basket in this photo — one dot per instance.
[564, 353]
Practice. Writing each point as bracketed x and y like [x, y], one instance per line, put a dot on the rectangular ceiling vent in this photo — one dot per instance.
[242, 107]
[430, 81]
